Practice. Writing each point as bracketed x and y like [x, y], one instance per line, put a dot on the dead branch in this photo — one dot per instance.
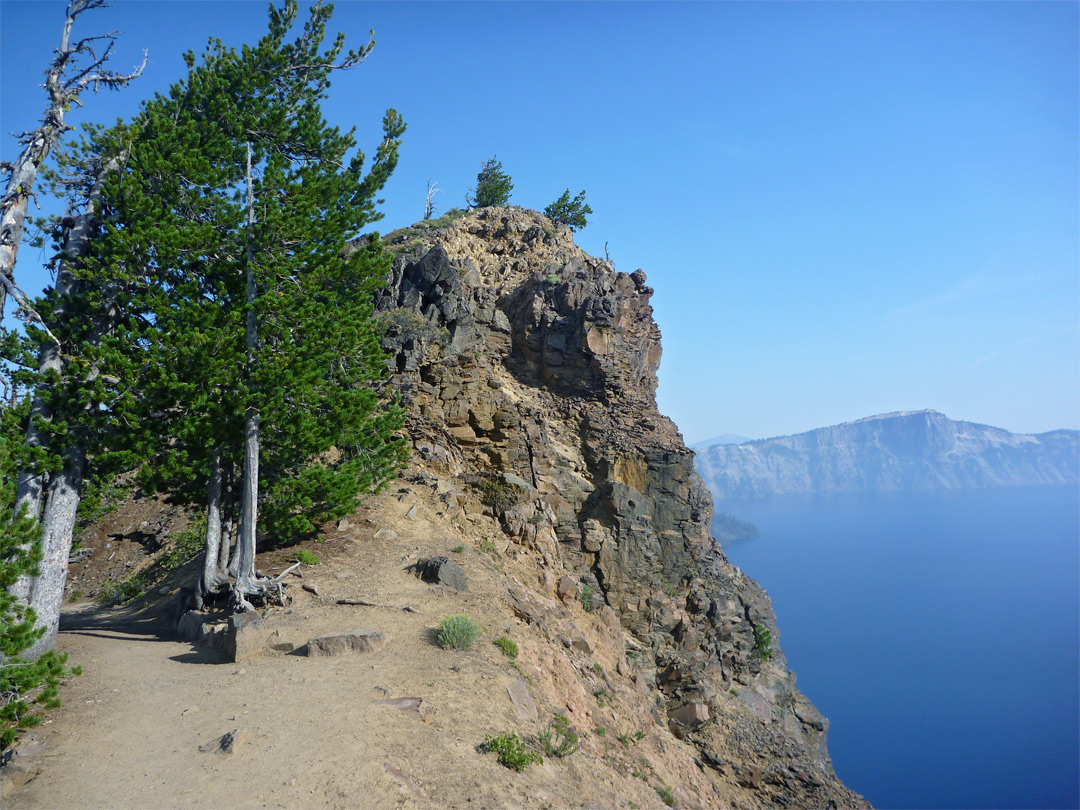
[63, 89]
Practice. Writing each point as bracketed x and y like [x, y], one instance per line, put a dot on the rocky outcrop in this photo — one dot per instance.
[528, 372]
[910, 450]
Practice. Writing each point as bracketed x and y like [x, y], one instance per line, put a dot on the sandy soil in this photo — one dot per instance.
[134, 727]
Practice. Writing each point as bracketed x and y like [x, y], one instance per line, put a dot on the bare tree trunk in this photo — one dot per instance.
[63, 94]
[246, 583]
[249, 495]
[228, 529]
[214, 578]
[46, 592]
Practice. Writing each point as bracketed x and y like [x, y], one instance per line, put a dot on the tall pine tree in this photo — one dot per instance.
[258, 322]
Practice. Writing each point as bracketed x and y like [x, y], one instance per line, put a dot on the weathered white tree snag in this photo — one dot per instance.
[214, 579]
[64, 83]
[247, 583]
[63, 92]
[429, 204]
[227, 530]
[57, 522]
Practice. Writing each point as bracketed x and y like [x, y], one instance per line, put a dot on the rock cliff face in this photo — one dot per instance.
[528, 371]
[907, 450]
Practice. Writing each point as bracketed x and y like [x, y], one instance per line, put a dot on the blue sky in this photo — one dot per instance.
[844, 208]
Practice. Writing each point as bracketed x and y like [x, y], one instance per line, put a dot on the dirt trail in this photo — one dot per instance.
[138, 727]
[130, 731]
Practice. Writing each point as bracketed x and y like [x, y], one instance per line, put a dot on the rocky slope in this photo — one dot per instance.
[906, 450]
[529, 372]
[574, 519]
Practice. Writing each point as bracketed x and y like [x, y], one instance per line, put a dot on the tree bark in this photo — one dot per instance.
[46, 592]
[214, 578]
[249, 481]
[227, 528]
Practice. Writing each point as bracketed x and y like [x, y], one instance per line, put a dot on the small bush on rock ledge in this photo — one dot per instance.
[507, 645]
[458, 632]
[762, 642]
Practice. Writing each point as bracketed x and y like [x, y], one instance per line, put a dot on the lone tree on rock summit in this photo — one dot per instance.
[493, 186]
[569, 212]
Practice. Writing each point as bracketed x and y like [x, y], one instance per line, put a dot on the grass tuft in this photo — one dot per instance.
[458, 632]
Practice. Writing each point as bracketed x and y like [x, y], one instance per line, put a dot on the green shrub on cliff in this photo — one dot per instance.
[458, 632]
[762, 642]
[512, 752]
[569, 212]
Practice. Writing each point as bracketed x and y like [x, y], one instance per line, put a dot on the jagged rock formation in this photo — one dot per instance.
[528, 370]
[906, 450]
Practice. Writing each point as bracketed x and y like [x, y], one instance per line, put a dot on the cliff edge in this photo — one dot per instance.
[528, 371]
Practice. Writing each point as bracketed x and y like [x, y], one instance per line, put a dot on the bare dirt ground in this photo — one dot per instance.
[138, 728]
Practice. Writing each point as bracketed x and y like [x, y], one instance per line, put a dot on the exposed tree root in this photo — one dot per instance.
[251, 590]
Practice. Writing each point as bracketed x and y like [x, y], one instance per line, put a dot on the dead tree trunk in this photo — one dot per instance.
[429, 204]
[228, 529]
[30, 484]
[247, 584]
[214, 579]
[57, 524]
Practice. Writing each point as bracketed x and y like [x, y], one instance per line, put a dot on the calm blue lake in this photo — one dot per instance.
[938, 631]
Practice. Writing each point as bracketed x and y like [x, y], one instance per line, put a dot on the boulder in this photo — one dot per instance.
[246, 635]
[441, 571]
[691, 714]
[582, 644]
[518, 692]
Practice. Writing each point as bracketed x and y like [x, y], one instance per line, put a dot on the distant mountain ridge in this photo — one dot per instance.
[723, 438]
[906, 450]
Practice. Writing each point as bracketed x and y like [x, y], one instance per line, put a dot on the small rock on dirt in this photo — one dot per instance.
[356, 641]
[567, 587]
[389, 535]
[227, 743]
[410, 705]
[519, 695]
[312, 589]
[246, 636]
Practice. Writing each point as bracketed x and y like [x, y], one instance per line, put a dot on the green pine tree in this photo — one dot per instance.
[571, 213]
[493, 186]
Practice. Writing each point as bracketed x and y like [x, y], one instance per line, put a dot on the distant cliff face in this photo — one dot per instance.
[528, 369]
[897, 451]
